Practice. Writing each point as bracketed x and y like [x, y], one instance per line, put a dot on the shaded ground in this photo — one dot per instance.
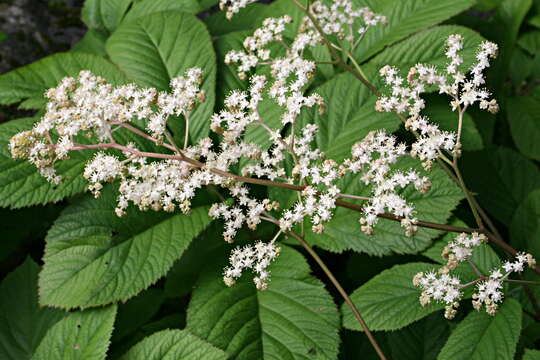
[35, 29]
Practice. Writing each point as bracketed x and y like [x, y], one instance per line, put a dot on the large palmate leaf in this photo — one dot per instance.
[429, 46]
[104, 15]
[93, 257]
[481, 336]
[502, 178]
[23, 323]
[343, 231]
[524, 119]
[80, 335]
[173, 345]
[405, 17]
[389, 301]
[31, 81]
[295, 318]
[154, 48]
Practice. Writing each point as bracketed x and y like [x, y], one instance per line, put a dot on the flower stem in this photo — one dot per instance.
[337, 285]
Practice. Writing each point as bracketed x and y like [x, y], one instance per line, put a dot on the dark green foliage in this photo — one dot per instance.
[78, 282]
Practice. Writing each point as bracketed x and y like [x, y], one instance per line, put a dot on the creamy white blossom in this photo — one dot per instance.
[256, 257]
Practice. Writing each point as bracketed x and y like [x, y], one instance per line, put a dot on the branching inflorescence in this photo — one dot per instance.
[85, 114]
[443, 287]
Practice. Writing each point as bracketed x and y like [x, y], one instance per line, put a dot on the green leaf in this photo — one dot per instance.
[295, 318]
[172, 345]
[509, 15]
[524, 118]
[350, 115]
[31, 81]
[502, 178]
[246, 19]
[405, 17]
[530, 41]
[531, 354]
[421, 340]
[23, 323]
[389, 301]
[3, 36]
[525, 227]
[521, 67]
[535, 21]
[80, 335]
[104, 15]
[429, 46]
[93, 42]
[486, 5]
[93, 258]
[181, 279]
[155, 48]
[205, 4]
[136, 312]
[146, 7]
[343, 231]
[481, 336]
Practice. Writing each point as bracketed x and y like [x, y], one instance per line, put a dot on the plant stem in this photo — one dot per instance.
[186, 135]
[343, 293]
[338, 286]
[475, 268]
[249, 180]
[523, 282]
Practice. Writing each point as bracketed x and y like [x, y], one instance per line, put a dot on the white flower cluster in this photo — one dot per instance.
[461, 249]
[405, 97]
[446, 288]
[340, 17]
[185, 94]
[103, 168]
[489, 291]
[94, 107]
[290, 73]
[257, 258]
[255, 46]
[372, 157]
[439, 287]
[246, 211]
[240, 111]
[233, 6]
